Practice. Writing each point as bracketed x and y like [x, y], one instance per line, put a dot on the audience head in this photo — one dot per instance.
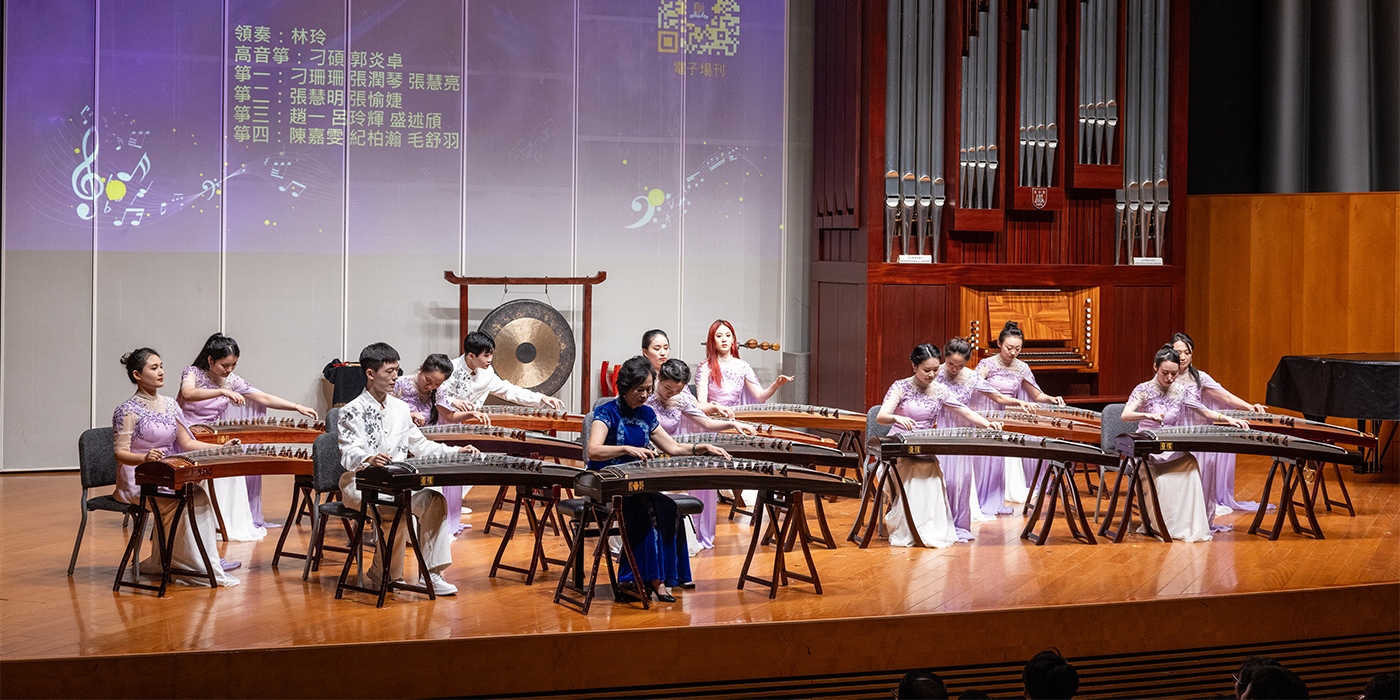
[921, 683]
[220, 353]
[1383, 686]
[973, 694]
[1048, 675]
[1274, 683]
[1248, 666]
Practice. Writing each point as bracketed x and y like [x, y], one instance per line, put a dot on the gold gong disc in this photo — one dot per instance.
[534, 345]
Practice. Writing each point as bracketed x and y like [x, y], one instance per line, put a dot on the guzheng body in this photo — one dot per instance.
[997, 443]
[774, 431]
[1074, 413]
[274, 431]
[534, 419]
[501, 440]
[1208, 438]
[484, 469]
[685, 473]
[1044, 425]
[1304, 428]
[175, 471]
[775, 450]
[795, 415]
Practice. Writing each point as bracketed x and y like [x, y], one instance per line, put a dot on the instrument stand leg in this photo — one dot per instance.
[788, 510]
[316, 548]
[133, 549]
[1264, 500]
[187, 505]
[1035, 479]
[218, 513]
[1050, 482]
[301, 496]
[1299, 483]
[1082, 526]
[1321, 482]
[642, 588]
[754, 542]
[1147, 489]
[495, 506]
[526, 498]
[736, 506]
[573, 565]
[357, 552]
[826, 540]
[1106, 527]
[867, 494]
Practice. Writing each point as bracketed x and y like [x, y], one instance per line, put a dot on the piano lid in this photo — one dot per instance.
[1362, 386]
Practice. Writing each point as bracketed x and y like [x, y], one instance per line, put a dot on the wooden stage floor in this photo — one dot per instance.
[996, 599]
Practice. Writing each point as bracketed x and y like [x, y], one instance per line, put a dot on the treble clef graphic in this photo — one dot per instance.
[85, 180]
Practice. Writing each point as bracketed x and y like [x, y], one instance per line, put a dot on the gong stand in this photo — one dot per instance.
[585, 400]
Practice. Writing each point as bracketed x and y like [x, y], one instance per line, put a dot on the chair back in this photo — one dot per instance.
[587, 430]
[602, 400]
[97, 458]
[333, 422]
[325, 463]
[1112, 426]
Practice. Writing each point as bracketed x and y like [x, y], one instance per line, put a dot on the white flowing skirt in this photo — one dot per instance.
[1017, 491]
[1182, 497]
[232, 494]
[186, 554]
[928, 504]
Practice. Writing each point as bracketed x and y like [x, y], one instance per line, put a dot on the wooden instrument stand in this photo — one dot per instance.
[526, 498]
[873, 496]
[1057, 480]
[585, 399]
[1138, 473]
[370, 501]
[165, 545]
[1292, 481]
[609, 518]
[785, 508]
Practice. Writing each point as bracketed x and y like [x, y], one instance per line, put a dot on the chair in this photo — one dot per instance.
[97, 467]
[305, 498]
[1112, 426]
[325, 460]
[873, 432]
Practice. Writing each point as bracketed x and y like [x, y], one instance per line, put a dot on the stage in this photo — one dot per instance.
[1130, 615]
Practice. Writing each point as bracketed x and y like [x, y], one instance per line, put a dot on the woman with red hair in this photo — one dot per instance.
[726, 380]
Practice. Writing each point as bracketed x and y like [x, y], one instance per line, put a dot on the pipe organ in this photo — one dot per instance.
[962, 147]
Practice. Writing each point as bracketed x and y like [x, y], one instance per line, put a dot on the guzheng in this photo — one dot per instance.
[175, 471]
[774, 431]
[485, 469]
[1043, 426]
[996, 443]
[796, 415]
[1083, 415]
[1209, 438]
[684, 473]
[775, 450]
[276, 431]
[532, 418]
[510, 441]
[1304, 428]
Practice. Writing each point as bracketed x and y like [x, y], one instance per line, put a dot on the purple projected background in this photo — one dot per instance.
[270, 127]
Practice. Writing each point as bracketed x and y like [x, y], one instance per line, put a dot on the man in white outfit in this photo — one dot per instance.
[375, 429]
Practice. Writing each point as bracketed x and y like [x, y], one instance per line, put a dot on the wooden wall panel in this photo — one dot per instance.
[1141, 322]
[1275, 275]
[840, 344]
[909, 314]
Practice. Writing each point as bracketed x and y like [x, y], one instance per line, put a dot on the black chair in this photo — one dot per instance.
[305, 498]
[1141, 486]
[97, 466]
[325, 461]
[869, 477]
[1110, 428]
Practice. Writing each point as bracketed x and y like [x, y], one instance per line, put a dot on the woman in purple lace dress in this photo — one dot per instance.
[148, 427]
[210, 391]
[1013, 378]
[921, 403]
[976, 487]
[1217, 468]
[1165, 402]
[679, 413]
[726, 380]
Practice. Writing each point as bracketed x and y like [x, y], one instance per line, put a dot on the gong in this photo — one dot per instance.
[534, 345]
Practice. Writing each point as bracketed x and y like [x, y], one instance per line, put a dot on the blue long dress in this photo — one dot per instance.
[653, 522]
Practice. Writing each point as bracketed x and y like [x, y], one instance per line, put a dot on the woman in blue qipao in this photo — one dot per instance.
[624, 430]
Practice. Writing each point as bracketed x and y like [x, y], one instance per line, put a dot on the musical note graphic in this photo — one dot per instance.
[292, 188]
[143, 167]
[86, 183]
[163, 205]
[107, 207]
[137, 222]
[665, 209]
[138, 139]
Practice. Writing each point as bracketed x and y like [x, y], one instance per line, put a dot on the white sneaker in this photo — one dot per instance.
[466, 510]
[441, 587]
